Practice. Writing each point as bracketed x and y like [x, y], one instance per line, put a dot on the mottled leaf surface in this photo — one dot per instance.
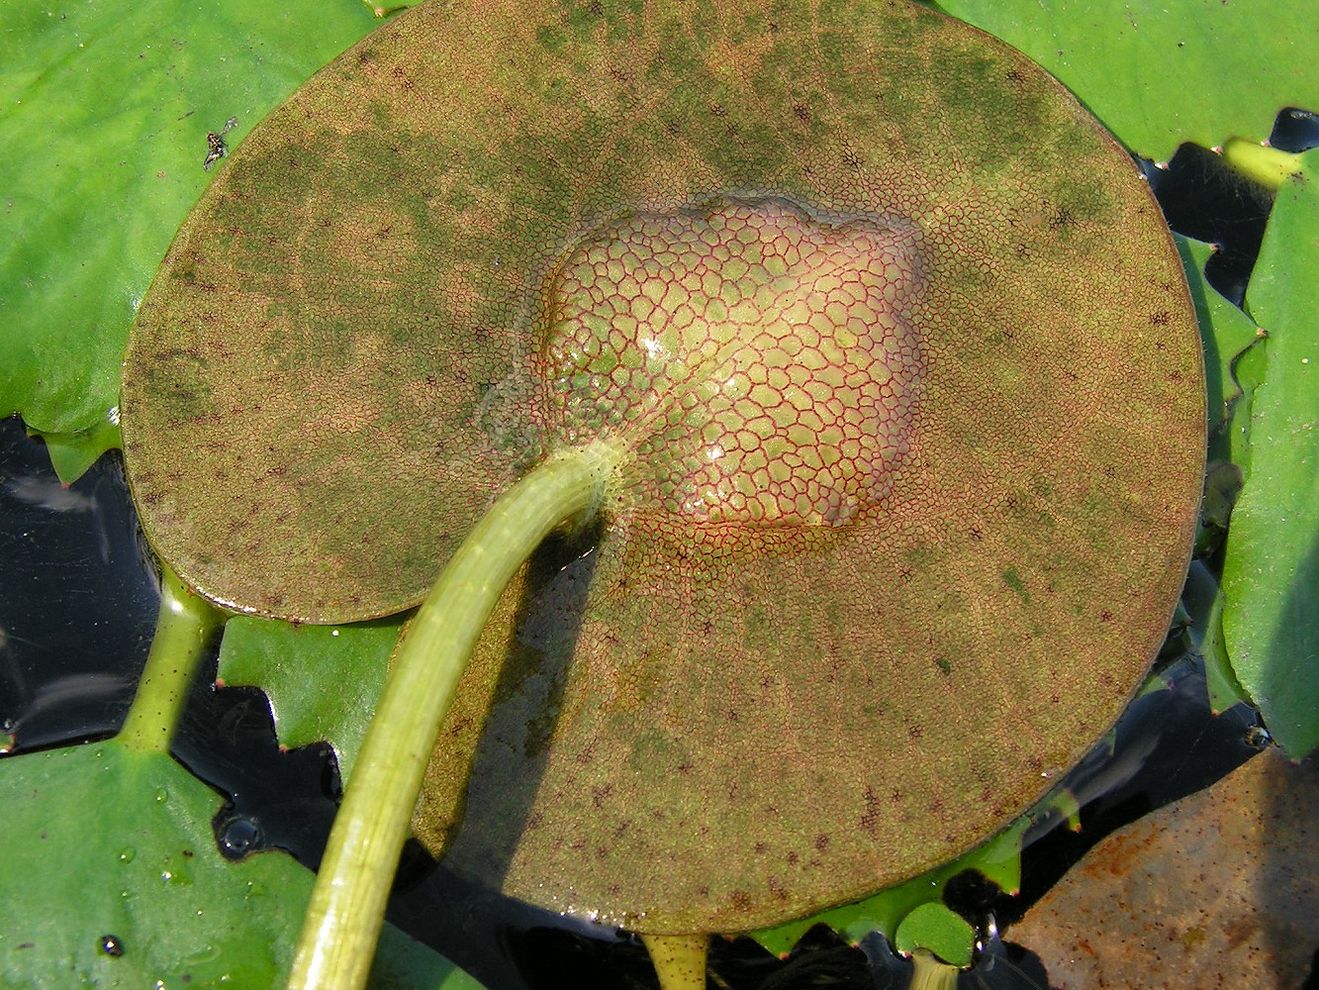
[998, 860]
[1216, 889]
[356, 323]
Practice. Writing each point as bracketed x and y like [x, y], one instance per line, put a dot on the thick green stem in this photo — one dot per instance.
[348, 902]
[679, 960]
[931, 973]
[183, 629]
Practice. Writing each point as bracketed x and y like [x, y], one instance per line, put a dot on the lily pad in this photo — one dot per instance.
[139, 895]
[1159, 74]
[106, 113]
[896, 355]
[1271, 571]
[1225, 329]
[335, 705]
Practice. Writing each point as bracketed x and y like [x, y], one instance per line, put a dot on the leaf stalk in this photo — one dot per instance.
[348, 901]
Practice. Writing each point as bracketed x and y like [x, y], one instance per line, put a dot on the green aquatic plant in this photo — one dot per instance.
[60, 368]
[817, 363]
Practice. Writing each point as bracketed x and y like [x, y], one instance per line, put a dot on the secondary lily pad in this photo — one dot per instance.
[896, 355]
[1271, 571]
[1225, 329]
[335, 705]
[1159, 74]
[139, 894]
[106, 114]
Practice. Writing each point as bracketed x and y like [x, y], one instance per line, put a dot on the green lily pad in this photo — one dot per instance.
[322, 681]
[1158, 74]
[1225, 329]
[939, 930]
[901, 369]
[106, 114]
[1271, 571]
[111, 877]
[71, 454]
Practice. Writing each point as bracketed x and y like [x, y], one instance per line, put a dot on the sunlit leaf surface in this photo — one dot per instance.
[1160, 73]
[322, 681]
[104, 115]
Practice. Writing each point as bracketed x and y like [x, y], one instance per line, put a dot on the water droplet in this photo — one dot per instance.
[126, 854]
[238, 836]
[112, 946]
[162, 795]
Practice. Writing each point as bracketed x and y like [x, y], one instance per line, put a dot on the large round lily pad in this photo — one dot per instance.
[897, 346]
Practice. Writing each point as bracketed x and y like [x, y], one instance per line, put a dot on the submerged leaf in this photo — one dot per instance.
[1217, 888]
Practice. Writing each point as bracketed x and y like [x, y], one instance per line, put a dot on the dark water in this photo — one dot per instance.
[78, 598]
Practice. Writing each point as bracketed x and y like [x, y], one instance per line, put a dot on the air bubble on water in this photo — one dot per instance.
[239, 836]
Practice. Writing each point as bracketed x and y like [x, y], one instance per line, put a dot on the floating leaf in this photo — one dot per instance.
[1271, 570]
[1158, 74]
[998, 860]
[111, 876]
[322, 681]
[71, 454]
[847, 594]
[106, 113]
[1203, 599]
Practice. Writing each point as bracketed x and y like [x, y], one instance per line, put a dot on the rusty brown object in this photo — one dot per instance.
[699, 722]
[1216, 890]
